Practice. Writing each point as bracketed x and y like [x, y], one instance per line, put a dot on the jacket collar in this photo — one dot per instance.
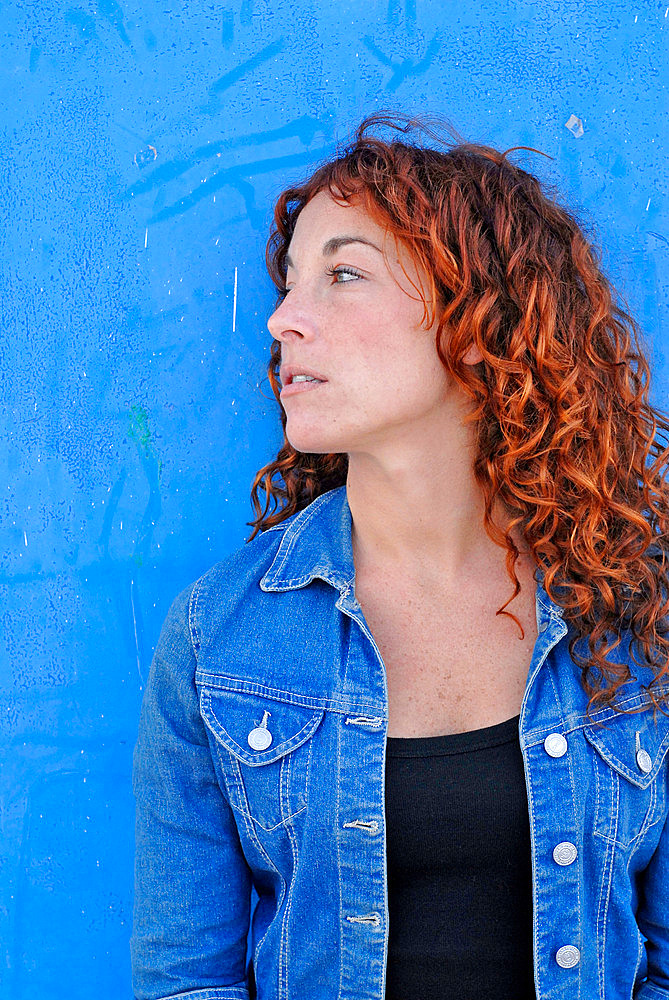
[315, 543]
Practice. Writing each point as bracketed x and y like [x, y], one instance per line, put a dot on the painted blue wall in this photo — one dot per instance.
[140, 154]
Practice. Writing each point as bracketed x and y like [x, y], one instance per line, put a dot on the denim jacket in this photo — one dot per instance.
[259, 783]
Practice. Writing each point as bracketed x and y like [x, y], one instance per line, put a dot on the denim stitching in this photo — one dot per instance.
[248, 824]
[639, 939]
[236, 781]
[599, 806]
[535, 886]
[240, 786]
[340, 730]
[232, 777]
[609, 861]
[651, 811]
[294, 531]
[310, 745]
[284, 925]
[618, 765]
[536, 736]
[284, 787]
[192, 615]
[598, 794]
[222, 682]
[217, 993]
[338, 840]
[646, 824]
[283, 959]
[253, 837]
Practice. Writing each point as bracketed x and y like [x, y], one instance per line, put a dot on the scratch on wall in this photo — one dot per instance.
[134, 622]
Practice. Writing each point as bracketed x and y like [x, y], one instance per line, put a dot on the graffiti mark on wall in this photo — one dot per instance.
[113, 14]
[236, 74]
[402, 13]
[305, 128]
[402, 69]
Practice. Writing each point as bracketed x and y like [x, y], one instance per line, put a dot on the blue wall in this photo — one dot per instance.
[141, 151]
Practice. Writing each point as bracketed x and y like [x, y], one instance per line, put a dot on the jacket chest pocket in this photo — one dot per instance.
[263, 749]
[630, 776]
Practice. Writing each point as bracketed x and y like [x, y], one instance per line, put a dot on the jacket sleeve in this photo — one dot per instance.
[192, 883]
[653, 921]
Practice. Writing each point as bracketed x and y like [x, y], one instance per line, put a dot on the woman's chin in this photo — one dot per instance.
[314, 444]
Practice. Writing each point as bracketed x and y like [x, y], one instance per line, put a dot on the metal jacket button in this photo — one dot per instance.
[643, 758]
[555, 745]
[564, 853]
[567, 956]
[260, 737]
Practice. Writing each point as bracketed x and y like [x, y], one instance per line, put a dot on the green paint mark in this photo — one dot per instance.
[139, 428]
[140, 433]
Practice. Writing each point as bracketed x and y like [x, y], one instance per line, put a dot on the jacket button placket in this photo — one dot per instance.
[555, 857]
[363, 901]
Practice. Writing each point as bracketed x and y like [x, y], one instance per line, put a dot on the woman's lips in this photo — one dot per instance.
[294, 387]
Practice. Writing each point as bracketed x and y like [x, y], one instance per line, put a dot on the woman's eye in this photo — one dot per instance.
[343, 274]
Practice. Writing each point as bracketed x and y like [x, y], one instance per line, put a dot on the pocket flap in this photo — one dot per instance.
[232, 715]
[617, 745]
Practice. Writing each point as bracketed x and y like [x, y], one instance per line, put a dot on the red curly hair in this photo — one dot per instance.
[566, 436]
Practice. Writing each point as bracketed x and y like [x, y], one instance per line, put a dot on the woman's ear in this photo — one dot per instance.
[472, 356]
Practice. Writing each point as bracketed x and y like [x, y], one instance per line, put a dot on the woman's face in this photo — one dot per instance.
[351, 316]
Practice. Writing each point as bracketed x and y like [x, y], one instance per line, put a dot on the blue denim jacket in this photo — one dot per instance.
[259, 781]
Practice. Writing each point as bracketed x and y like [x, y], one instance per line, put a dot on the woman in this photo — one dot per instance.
[406, 742]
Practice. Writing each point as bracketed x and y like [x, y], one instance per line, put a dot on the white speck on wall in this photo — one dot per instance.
[648, 205]
[234, 304]
[25, 539]
[146, 237]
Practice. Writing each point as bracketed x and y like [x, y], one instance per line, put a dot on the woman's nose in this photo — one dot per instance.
[290, 319]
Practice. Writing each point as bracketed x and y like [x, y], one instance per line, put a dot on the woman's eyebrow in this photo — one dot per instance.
[335, 243]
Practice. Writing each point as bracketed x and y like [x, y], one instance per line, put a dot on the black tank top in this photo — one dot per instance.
[459, 867]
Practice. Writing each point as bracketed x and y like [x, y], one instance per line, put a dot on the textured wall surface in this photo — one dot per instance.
[142, 145]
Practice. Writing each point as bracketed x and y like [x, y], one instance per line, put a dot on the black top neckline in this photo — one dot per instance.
[453, 743]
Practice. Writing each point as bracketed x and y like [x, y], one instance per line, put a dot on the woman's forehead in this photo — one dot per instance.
[325, 224]
[323, 210]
